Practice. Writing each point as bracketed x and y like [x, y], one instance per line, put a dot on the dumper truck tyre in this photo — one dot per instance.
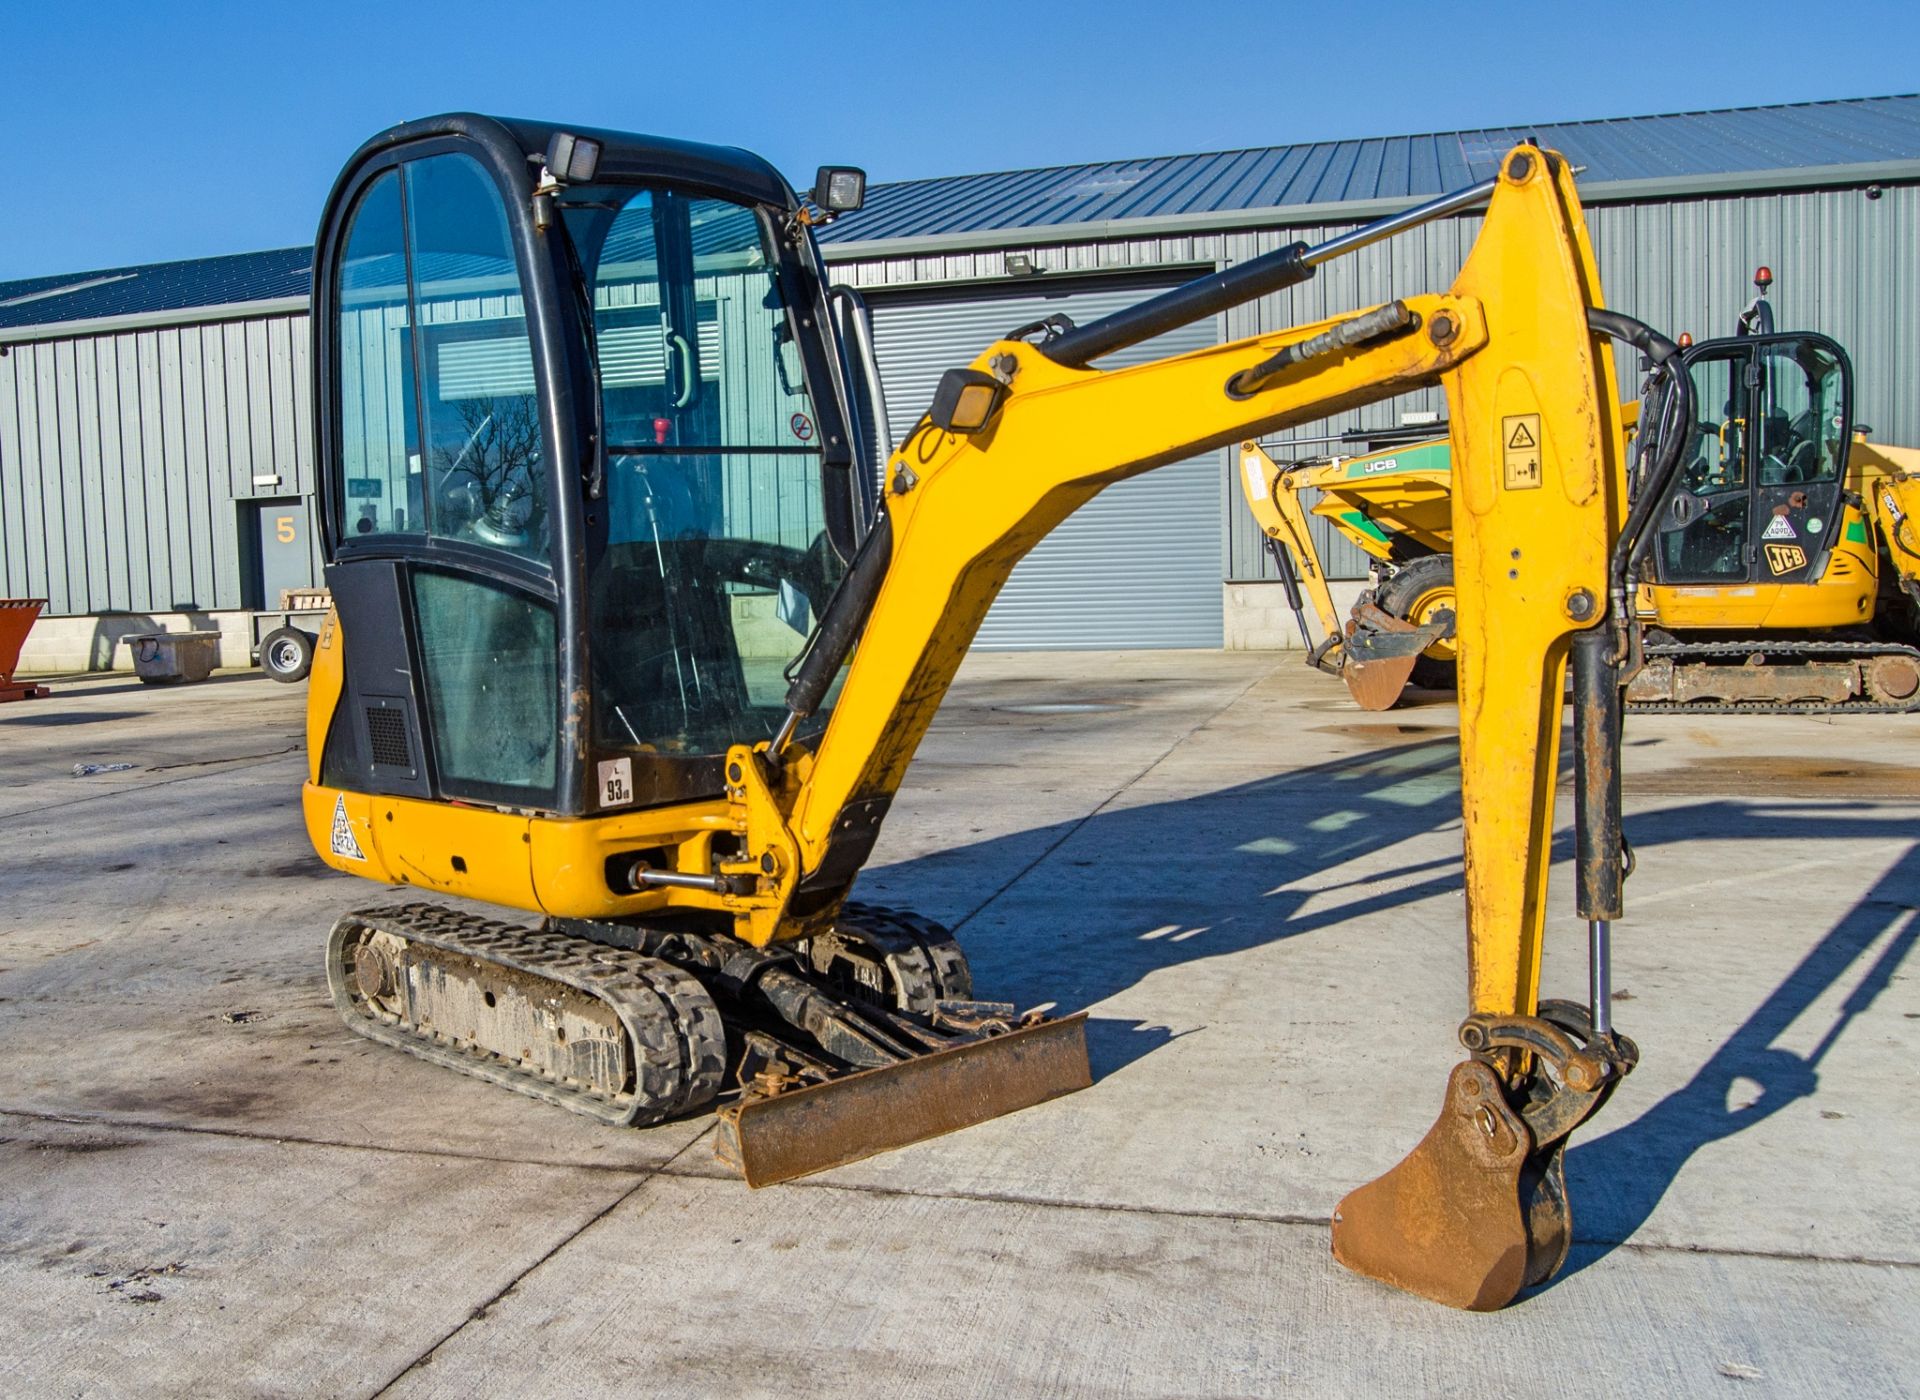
[286, 654]
[1419, 592]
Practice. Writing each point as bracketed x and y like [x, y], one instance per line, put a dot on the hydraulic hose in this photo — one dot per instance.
[1669, 447]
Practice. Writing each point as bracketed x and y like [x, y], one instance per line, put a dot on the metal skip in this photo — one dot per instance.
[775, 1136]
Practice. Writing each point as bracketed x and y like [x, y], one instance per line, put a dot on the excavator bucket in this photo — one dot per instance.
[1379, 652]
[773, 1134]
[1449, 1223]
[1478, 1211]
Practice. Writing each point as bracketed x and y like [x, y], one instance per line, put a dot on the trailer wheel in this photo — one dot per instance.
[286, 654]
[1419, 591]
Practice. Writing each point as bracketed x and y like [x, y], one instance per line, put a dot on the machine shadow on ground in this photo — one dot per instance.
[1620, 1177]
[1265, 861]
[1244, 867]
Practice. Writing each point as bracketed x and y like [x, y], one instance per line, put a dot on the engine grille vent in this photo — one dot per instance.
[387, 733]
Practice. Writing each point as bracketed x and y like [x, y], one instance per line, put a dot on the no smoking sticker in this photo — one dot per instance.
[802, 427]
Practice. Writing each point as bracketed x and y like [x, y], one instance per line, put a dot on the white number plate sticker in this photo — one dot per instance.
[616, 782]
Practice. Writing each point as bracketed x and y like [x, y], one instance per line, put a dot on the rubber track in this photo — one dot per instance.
[677, 1038]
[1808, 650]
[925, 951]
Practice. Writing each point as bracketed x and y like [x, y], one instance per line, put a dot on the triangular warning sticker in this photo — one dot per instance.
[1521, 437]
[343, 843]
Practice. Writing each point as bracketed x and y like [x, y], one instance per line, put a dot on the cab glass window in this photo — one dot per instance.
[1716, 457]
[379, 444]
[716, 563]
[439, 426]
[484, 468]
[1799, 391]
[487, 656]
[1713, 544]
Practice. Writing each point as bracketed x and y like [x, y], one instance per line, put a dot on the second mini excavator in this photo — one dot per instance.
[619, 641]
[1785, 580]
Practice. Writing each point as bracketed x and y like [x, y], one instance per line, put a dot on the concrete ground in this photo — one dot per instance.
[208, 1186]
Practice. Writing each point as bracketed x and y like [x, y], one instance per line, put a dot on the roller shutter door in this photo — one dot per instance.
[1138, 566]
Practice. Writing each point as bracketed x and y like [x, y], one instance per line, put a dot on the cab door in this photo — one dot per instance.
[1759, 499]
[439, 494]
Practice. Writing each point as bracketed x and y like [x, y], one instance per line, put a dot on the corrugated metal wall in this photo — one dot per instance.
[1844, 264]
[122, 458]
[1139, 565]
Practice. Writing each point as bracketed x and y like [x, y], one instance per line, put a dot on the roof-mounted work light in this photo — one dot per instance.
[839, 189]
[573, 160]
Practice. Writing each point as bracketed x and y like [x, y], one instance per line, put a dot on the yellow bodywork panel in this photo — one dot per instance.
[543, 864]
[1843, 595]
[326, 678]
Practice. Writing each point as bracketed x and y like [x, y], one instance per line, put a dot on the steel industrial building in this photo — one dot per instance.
[154, 443]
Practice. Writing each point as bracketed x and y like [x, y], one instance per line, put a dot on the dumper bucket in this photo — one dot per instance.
[775, 1136]
[16, 620]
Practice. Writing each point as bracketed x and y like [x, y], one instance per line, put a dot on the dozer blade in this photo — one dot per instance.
[773, 1137]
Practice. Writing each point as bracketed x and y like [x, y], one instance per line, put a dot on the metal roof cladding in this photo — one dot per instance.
[1625, 158]
[1746, 148]
[280, 275]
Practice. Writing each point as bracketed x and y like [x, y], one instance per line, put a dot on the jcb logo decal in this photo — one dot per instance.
[1785, 558]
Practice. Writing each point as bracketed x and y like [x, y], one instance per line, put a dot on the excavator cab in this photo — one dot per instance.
[586, 457]
[1759, 497]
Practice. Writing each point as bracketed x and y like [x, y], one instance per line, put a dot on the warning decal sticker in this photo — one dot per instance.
[342, 842]
[1785, 558]
[1779, 528]
[1520, 449]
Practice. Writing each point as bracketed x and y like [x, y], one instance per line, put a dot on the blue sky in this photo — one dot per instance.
[146, 132]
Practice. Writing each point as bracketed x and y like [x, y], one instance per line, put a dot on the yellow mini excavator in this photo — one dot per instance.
[1785, 579]
[621, 640]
